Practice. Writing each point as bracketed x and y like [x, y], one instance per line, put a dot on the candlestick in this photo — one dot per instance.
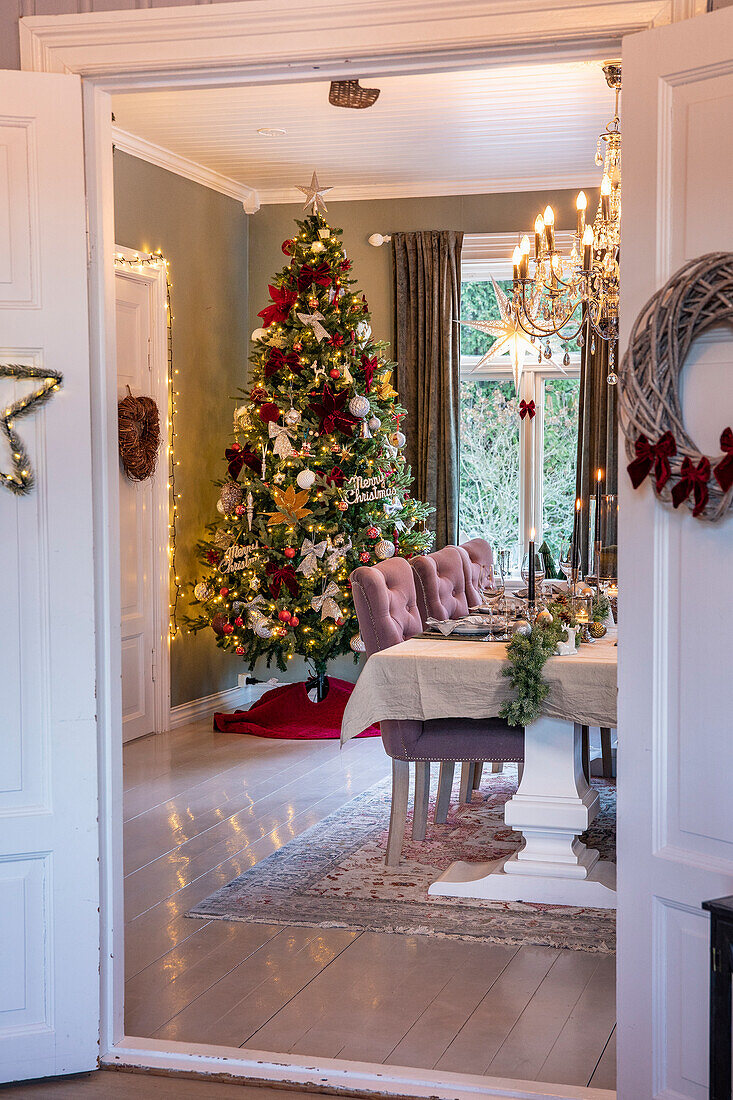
[580, 204]
[531, 578]
[524, 264]
[575, 543]
[597, 526]
[587, 247]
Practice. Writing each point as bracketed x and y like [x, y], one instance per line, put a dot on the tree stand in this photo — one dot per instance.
[321, 685]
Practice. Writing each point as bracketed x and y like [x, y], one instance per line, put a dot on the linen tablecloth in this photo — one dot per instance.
[427, 678]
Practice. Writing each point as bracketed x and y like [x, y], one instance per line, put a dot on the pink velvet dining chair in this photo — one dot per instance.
[386, 605]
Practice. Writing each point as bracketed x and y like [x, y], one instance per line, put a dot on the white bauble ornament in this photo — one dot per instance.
[384, 549]
[292, 417]
[318, 246]
[305, 479]
[374, 422]
[202, 592]
[357, 644]
[363, 332]
[259, 334]
[521, 626]
[398, 439]
[359, 406]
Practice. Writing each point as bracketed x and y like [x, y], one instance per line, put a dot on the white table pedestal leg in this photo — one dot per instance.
[551, 807]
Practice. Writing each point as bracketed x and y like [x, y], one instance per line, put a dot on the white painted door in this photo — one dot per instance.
[49, 845]
[675, 756]
[137, 579]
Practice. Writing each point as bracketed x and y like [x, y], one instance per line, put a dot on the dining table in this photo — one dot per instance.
[458, 677]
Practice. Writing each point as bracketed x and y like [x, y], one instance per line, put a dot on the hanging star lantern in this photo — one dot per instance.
[509, 337]
[314, 195]
[21, 480]
[290, 506]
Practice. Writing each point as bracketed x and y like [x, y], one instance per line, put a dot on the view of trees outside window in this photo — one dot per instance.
[559, 460]
[490, 470]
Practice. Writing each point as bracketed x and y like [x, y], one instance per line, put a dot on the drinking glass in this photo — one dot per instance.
[492, 581]
[565, 560]
[539, 568]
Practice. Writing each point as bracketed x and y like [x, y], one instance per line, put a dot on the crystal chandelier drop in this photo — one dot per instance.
[576, 297]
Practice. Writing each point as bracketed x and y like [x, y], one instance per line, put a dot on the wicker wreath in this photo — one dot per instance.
[139, 434]
[697, 298]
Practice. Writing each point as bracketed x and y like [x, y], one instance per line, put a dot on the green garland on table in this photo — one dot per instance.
[527, 654]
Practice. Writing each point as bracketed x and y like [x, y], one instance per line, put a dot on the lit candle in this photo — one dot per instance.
[516, 261]
[539, 229]
[524, 265]
[587, 247]
[599, 479]
[531, 578]
[580, 204]
[606, 198]
[549, 219]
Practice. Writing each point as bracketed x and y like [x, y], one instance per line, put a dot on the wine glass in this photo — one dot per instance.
[565, 560]
[539, 568]
[492, 581]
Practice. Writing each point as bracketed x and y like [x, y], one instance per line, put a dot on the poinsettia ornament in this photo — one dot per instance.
[279, 310]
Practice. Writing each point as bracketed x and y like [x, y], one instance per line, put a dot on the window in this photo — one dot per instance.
[514, 474]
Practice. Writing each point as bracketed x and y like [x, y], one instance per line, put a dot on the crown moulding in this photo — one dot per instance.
[283, 40]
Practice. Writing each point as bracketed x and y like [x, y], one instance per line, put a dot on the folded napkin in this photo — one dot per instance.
[447, 626]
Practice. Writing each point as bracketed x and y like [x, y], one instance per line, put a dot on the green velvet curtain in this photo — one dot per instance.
[597, 438]
[427, 280]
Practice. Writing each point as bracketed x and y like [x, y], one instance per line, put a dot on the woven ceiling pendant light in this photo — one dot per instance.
[349, 93]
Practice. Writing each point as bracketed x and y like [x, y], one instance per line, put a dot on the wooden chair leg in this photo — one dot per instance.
[478, 769]
[606, 752]
[466, 781]
[398, 813]
[585, 734]
[497, 767]
[422, 797]
[445, 786]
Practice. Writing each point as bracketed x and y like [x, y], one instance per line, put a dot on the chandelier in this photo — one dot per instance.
[575, 297]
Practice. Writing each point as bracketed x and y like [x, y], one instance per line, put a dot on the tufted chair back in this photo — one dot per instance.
[480, 557]
[386, 603]
[443, 582]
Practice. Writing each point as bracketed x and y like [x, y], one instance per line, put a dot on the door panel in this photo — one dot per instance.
[675, 757]
[49, 845]
[137, 581]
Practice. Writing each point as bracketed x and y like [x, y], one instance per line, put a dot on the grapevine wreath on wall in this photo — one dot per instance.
[697, 298]
[139, 435]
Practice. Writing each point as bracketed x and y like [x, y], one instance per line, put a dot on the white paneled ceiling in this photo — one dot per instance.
[501, 128]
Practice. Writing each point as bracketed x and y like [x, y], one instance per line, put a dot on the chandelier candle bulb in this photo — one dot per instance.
[524, 263]
[587, 247]
[606, 198]
[539, 229]
[580, 205]
[516, 262]
[549, 219]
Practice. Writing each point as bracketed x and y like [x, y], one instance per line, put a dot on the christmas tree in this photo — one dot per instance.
[316, 481]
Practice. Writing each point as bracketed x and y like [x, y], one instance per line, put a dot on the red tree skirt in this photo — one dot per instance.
[287, 712]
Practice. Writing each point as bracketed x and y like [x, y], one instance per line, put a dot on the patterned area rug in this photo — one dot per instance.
[334, 876]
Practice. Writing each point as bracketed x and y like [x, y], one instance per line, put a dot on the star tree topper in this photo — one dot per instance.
[314, 195]
[510, 336]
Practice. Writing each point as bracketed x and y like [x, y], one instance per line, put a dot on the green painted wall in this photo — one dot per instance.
[204, 236]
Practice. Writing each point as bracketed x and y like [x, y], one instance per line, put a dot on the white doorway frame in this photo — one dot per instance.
[256, 42]
[153, 275]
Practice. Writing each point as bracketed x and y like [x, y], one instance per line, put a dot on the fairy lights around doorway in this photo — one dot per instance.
[142, 262]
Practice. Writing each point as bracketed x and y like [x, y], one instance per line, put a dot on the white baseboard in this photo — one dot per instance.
[208, 705]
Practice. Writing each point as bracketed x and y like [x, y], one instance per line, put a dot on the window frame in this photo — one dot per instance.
[485, 256]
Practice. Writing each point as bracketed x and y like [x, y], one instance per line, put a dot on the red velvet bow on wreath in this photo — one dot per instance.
[652, 454]
[526, 409]
[724, 470]
[693, 479]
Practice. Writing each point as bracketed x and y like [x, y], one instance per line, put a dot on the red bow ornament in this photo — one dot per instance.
[279, 576]
[330, 411]
[276, 360]
[279, 310]
[335, 478]
[693, 479]
[235, 457]
[526, 410]
[368, 366]
[724, 470]
[652, 454]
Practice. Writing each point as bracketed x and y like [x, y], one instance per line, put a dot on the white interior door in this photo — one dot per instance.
[49, 844]
[137, 560]
[675, 759]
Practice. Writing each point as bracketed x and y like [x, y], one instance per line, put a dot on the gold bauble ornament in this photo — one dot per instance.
[544, 616]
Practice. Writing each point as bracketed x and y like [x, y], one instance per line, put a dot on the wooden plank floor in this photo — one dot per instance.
[201, 808]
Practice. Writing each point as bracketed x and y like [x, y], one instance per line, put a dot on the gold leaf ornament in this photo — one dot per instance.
[290, 506]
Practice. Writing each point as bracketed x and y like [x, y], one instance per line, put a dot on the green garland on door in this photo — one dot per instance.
[21, 480]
